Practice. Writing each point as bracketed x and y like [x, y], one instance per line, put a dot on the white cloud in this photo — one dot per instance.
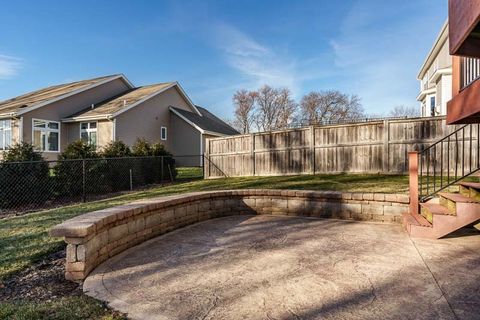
[9, 66]
[257, 62]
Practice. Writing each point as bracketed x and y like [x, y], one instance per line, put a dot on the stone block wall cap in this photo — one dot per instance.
[73, 229]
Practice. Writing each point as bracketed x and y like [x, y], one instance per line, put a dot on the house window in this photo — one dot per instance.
[5, 134]
[163, 133]
[432, 106]
[88, 132]
[46, 135]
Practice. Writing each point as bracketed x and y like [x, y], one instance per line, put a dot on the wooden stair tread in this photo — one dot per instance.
[456, 197]
[474, 185]
[421, 220]
[436, 208]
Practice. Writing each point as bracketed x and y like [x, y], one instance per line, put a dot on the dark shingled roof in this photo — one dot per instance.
[208, 121]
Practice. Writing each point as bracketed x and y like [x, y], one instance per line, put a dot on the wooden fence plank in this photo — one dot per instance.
[372, 147]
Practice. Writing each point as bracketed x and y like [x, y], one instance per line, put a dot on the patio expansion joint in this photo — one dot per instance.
[434, 278]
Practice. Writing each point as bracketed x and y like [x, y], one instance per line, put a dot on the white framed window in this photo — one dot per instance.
[5, 134]
[46, 135]
[88, 132]
[163, 133]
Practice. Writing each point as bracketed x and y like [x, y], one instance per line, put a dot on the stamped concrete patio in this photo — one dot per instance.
[271, 267]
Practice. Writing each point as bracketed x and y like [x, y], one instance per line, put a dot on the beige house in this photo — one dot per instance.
[108, 109]
[435, 77]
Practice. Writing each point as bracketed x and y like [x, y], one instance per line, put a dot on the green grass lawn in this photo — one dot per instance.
[189, 173]
[69, 308]
[24, 239]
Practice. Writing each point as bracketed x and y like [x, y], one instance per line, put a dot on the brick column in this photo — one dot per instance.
[413, 181]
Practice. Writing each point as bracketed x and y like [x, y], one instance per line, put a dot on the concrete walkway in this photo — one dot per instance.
[266, 267]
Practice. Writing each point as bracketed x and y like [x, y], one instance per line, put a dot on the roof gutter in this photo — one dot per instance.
[77, 119]
[9, 115]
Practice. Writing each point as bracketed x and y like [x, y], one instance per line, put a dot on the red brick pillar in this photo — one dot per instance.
[413, 181]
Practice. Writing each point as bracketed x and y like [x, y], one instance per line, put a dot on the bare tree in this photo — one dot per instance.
[286, 108]
[403, 111]
[332, 105]
[309, 106]
[244, 102]
[275, 108]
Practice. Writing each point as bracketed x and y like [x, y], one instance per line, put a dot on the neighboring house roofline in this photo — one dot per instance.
[422, 95]
[441, 38]
[174, 84]
[202, 131]
[184, 94]
[72, 93]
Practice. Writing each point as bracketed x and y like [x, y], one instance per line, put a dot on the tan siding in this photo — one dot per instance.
[146, 119]
[104, 132]
[15, 133]
[185, 141]
[16, 129]
[66, 107]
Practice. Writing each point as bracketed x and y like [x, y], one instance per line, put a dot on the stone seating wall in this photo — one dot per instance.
[96, 236]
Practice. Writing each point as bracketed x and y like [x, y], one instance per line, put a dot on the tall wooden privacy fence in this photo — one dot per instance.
[372, 147]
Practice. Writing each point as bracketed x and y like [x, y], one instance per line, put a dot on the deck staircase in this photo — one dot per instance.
[436, 210]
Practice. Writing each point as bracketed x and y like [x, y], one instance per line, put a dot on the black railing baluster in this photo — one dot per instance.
[470, 150]
[478, 145]
[420, 175]
[448, 160]
[429, 157]
[434, 166]
[456, 155]
[463, 152]
[441, 164]
[428, 167]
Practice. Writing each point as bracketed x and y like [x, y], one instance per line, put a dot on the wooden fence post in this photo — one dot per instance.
[252, 152]
[206, 159]
[312, 149]
[413, 181]
[386, 146]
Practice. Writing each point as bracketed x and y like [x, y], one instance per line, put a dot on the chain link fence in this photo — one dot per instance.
[31, 186]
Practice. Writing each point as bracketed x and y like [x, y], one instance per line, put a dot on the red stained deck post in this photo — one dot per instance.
[413, 181]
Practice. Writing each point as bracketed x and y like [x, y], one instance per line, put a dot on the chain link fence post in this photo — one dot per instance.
[161, 169]
[84, 195]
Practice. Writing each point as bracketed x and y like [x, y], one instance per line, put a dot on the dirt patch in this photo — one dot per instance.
[44, 281]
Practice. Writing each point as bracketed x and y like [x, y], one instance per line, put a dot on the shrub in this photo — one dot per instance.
[141, 148]
[78, 150]
[116, 149]
[20, 152]
[77, 162]
[24, 178]
[149, 169]
[158, 149]
[118, 170]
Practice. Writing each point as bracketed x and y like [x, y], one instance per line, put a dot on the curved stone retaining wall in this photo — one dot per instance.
[94, 237]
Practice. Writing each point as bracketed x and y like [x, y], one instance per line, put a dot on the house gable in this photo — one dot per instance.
[146, 118]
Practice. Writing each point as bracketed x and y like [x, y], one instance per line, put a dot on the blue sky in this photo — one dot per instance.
[372, 48]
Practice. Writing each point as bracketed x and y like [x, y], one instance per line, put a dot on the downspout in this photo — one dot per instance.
[19, 122]
[201, 149]
[20, 130]
[114, 127]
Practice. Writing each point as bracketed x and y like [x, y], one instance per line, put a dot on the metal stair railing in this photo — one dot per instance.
[444, 163]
